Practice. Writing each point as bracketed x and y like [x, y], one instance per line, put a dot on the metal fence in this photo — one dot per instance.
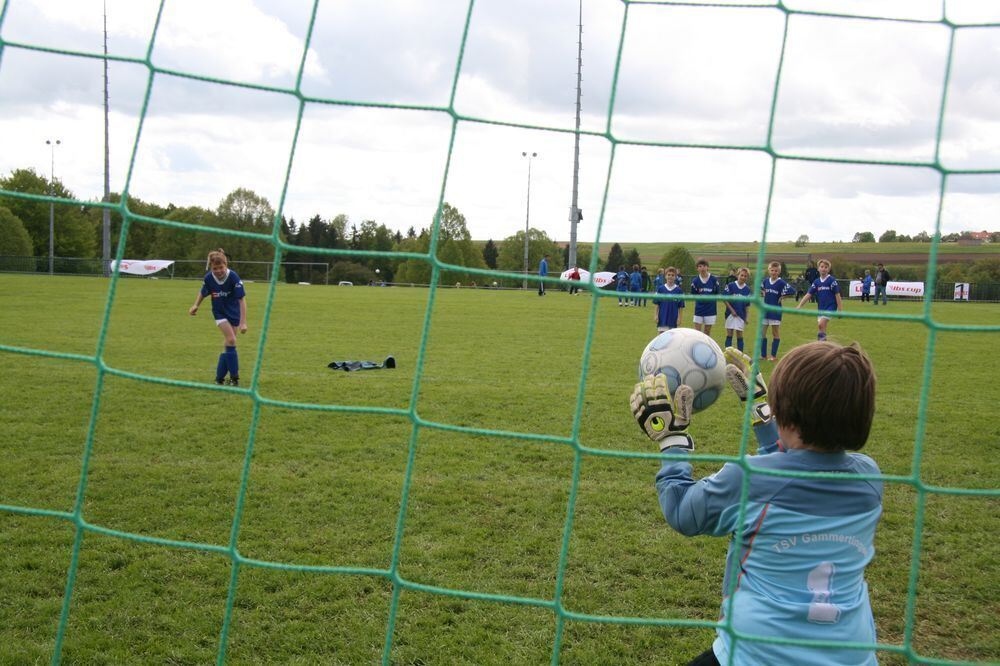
[319, 273]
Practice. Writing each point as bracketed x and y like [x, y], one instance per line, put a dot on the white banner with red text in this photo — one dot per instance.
[141, 266]
[891, 289]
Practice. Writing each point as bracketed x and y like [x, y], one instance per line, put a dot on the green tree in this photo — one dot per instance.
[616, 259]
[74, 233]
[181, 244]
[863, 237]
[583, 256]
[352, 272]
[454, 246]
[985, 270]
[243, 210]
[14, 239]
[802, 241]
[889, 236]
[141, 234]
[490, 254]
[680, 258]
[632, 259]
[511, 256]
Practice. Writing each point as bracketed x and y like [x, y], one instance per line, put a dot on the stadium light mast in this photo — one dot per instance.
[574, 209]
[52, 191]
[106, 214]
[527, 217]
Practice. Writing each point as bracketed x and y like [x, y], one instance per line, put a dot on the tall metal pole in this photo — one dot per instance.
[527, 217]
[52, 207]
[574, 210]
[106, 214]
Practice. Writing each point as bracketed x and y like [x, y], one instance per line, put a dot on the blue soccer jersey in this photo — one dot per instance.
[733, 289]
[621, 281]
[225, 295]
[635, 281]
[773, 291]
[669, 309]
[825, 291]
[708, 286]
[801, 553]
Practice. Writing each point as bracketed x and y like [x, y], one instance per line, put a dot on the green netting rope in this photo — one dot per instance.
[555, 603]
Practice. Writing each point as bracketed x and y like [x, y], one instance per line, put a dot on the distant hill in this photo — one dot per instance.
[746, 253]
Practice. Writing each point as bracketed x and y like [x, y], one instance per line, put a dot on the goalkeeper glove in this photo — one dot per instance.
[664, 421]
[738, 366]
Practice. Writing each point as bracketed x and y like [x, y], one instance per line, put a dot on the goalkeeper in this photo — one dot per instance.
[798, 555]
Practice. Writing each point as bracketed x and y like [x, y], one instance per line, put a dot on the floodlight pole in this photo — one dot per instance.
[574, 209]
[105, 213]
[52, 191]
[527, 217]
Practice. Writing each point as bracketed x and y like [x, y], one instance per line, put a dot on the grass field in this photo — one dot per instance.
[485, 514]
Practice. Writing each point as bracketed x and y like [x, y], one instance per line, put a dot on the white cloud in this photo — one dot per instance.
[850, 89]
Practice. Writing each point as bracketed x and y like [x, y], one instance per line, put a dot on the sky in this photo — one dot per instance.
[677, 149]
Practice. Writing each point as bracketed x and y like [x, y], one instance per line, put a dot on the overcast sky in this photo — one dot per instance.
[697, 76]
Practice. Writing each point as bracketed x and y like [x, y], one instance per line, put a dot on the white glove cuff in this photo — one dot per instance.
[679, 441]
[761, 413]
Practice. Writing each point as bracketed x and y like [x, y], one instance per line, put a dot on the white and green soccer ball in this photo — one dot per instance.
[687, 356]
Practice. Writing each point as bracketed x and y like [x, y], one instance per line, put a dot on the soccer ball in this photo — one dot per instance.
[377, 270]
[686, 356]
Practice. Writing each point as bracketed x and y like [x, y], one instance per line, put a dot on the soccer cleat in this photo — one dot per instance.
[234, 381]
[772, 358]
[220, 382]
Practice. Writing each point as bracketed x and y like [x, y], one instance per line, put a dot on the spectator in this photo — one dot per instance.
[882, 279]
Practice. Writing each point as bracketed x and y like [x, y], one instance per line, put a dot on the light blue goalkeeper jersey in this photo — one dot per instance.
[805, 544]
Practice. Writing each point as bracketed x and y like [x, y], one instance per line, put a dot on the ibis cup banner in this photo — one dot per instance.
[891, 289]
[141, 267]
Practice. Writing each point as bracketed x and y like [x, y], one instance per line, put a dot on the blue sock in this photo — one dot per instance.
[774, 346]
[763, 347]
[729, 341]
[739, 343]
[233, 362]
[821, 336]
[220, 368]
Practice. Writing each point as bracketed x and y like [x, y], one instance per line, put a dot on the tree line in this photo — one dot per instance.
[24, 231]
[890, 236]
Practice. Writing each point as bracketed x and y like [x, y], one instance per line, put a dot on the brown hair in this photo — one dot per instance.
[824, 261]
[217, 257]
[702, 261]
[827, 392]
[774, 263]
[670, 269]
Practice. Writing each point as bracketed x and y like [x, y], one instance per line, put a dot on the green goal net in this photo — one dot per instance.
[575, 442]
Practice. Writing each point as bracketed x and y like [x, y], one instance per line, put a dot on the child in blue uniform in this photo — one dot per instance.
[668, 311]
[229, 307]
[635, 284]
[866, 286]
[704, 283]
[621, 286]
[827, 294]
[738, 311]
[773, 288]
[795, 566]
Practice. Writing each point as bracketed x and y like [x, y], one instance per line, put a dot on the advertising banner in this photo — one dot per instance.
[891, 289]
[142, 266]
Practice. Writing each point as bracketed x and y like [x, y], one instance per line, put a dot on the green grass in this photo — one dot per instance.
[486, 514]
